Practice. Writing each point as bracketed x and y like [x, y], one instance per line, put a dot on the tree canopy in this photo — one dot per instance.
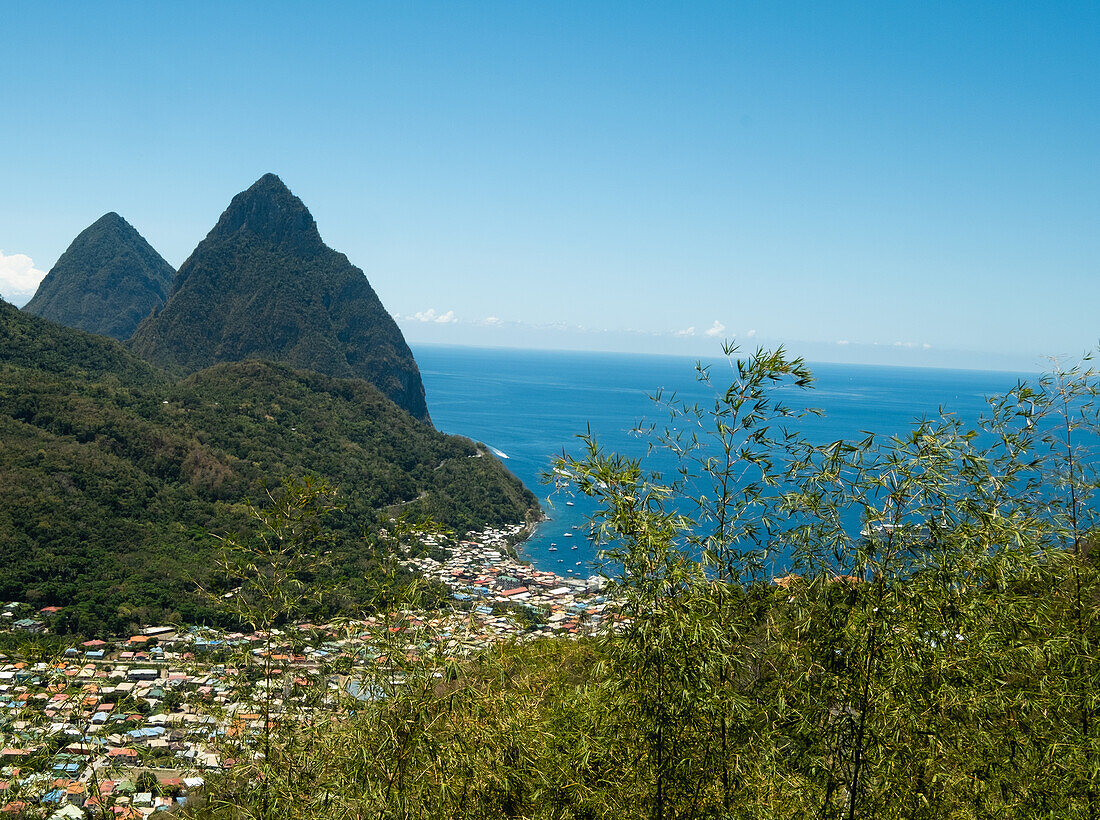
[113, 471]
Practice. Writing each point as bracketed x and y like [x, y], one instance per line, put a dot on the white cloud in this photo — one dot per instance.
[842, 341]
[19, 278]
[492, 321]
[717, 329]
[430, 315]
[688, 331]
[750, 334]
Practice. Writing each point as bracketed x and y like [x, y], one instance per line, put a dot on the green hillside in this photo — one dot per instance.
[112, 472]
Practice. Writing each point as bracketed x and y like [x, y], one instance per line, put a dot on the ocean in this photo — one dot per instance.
[530, 405]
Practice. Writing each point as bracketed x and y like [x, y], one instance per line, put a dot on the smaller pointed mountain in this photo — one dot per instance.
[263, 285]
[107, 281]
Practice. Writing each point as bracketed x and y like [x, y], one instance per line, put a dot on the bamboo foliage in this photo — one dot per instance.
[933, 654]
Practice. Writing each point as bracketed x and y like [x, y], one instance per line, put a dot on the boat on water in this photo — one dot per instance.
[884, 531]
[569, 503]
[573, 547]
[552, 549]
[568, 535]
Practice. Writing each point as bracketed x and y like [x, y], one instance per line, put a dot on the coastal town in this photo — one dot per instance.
[127, 726]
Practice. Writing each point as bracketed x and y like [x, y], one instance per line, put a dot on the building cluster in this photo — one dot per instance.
[487, 580]
[79, 736]
[129, 726]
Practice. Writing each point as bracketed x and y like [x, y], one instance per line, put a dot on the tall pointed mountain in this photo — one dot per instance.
[263, 285]
[107, 281]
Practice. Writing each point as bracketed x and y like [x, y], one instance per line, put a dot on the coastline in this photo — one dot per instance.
[486, 581]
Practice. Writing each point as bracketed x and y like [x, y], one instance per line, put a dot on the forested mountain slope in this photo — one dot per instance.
[113, 473]
[263, 285]
[107, 281]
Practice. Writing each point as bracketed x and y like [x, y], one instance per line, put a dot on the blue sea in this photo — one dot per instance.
[529, 406]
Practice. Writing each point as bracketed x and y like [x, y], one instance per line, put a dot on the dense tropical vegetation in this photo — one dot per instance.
[113, 474]
[263, 285]
[933, 654]
[107, 281]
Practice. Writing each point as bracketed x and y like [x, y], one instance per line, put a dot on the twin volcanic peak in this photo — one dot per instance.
[263, 285]
[106, 282]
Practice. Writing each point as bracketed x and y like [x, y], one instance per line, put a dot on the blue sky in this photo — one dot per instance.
[900, 183]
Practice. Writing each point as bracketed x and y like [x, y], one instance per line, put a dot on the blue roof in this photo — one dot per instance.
[148, 731]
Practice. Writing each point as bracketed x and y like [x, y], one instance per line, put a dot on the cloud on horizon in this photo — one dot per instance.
[717, 329]
[19, 278]
[430, 315]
